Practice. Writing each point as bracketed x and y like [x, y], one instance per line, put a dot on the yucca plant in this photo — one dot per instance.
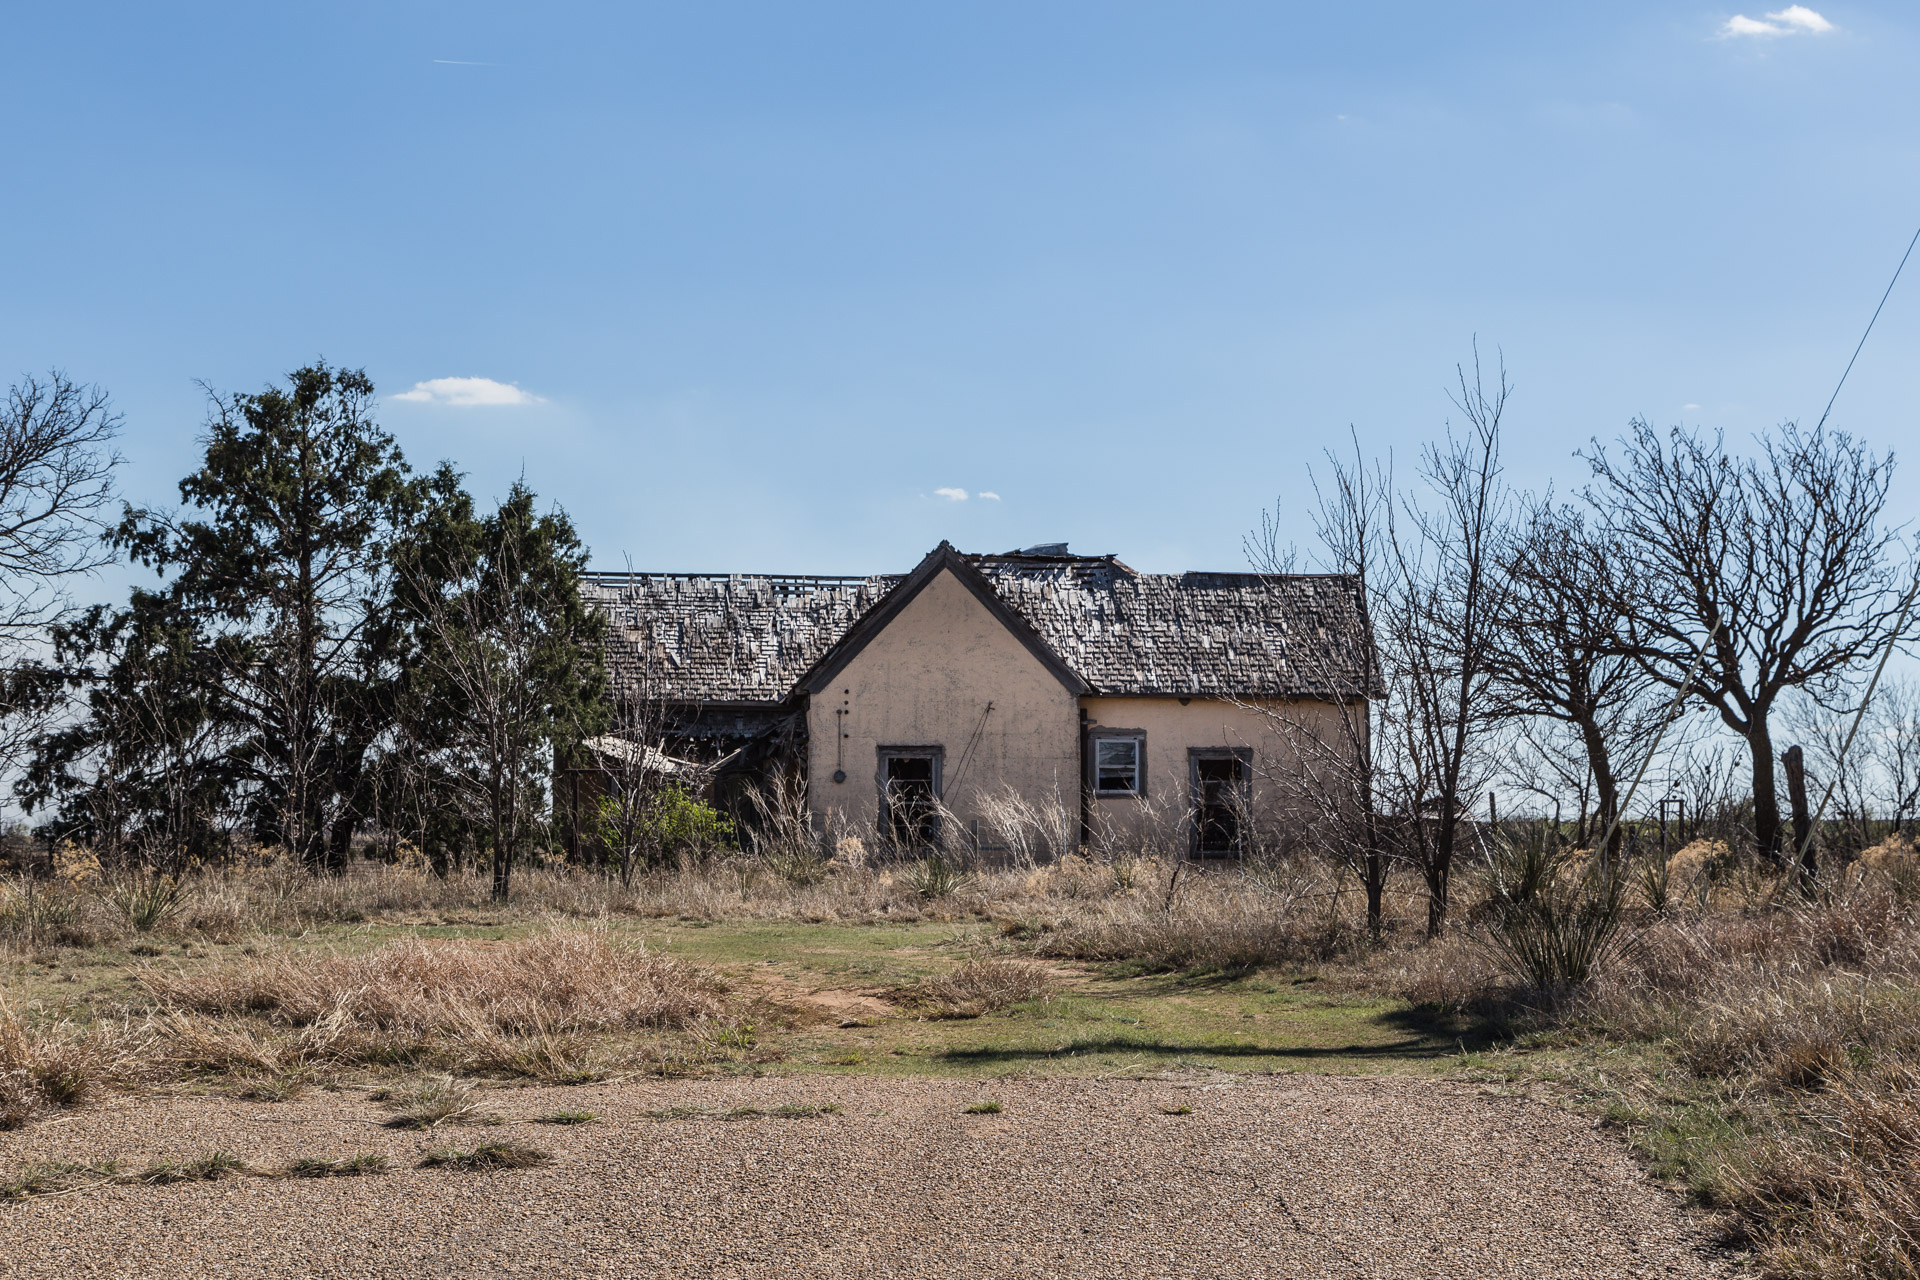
[145, 899]
[933, 877]
[1522, 866]
[1560, 936]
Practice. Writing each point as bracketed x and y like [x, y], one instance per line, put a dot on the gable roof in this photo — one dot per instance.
[1099, 625]
[942, 558]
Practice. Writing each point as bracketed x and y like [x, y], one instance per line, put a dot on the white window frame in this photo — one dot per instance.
[1099, 737]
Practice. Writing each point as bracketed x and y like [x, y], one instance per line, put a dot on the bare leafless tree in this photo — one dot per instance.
[1560, 653]
[1438, 622]
[1777, 569]
[1330, 781]
[57, 463]
[1400, 771]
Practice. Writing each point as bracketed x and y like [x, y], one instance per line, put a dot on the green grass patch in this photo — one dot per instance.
[567, 1116]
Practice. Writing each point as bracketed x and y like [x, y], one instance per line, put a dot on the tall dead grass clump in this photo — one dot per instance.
[1837, 1193]
[518, 1006]
[53, 1068]
[977, 987]
[1168, 915]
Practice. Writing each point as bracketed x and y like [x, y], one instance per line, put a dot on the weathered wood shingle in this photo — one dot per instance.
[707, 638]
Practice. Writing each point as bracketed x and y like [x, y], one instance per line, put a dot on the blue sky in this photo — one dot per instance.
[768, 278]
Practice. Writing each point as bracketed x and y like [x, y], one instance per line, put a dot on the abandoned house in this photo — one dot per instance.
[903, 708]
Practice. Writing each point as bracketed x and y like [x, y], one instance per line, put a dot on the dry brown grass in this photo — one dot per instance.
[978, 987]
[60, 1066]
[523, 1007]
[1837, 1194]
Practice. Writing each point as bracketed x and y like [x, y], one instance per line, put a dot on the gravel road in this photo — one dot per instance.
[1290, 1176]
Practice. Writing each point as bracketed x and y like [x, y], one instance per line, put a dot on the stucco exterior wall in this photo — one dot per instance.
[1172, 729]
[926, 680]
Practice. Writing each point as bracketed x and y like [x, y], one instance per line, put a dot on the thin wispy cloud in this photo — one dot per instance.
[465, 393]
[951, 495]
[987, 495]
[1795, 19]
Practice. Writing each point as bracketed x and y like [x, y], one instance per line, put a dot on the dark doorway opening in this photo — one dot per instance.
[1222, 784]
[910, 792]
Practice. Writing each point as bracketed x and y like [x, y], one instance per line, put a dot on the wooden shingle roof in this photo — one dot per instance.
[746, 639]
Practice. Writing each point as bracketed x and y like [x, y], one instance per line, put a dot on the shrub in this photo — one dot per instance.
[933, 877]
[1557, 938]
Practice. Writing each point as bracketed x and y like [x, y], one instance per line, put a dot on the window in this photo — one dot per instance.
[910, 794]
[1221, 780]
[1119, 764]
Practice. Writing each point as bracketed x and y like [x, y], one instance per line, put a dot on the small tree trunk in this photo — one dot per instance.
[1766, 794]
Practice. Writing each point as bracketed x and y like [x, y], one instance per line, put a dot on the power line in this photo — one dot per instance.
[1876, 316]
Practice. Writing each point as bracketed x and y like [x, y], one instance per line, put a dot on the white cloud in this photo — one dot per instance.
[1689, 406]
[1792, 20]
[465, 392]
[1798, 15]
[987, 495]
[951, 495]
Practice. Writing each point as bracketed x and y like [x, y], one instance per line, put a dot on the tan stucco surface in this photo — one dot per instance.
[926, 680]
[1172, 729]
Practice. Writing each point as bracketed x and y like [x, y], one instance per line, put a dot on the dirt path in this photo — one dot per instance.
[1292, 1176]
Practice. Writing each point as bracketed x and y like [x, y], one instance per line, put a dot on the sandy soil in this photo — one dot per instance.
[1294, 1176]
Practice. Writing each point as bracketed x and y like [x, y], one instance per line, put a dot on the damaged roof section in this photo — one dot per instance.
[683, 637]
[1243, 635]
[711, 638]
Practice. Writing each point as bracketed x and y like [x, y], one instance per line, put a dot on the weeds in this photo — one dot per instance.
[52, 1177]
[492, 1155]
[272, 1089]
[985, 1107]
[786, 1111]
[567, 1116]
[359, 1164]
[208, 1168]
[61, 1066]
[978, 987]
[426, 1103]
[518, 1008]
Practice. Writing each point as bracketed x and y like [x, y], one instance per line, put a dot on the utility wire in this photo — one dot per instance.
[1876, 316]
[1906, 608]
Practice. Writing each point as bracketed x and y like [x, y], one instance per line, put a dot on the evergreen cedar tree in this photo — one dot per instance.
[285, 669]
